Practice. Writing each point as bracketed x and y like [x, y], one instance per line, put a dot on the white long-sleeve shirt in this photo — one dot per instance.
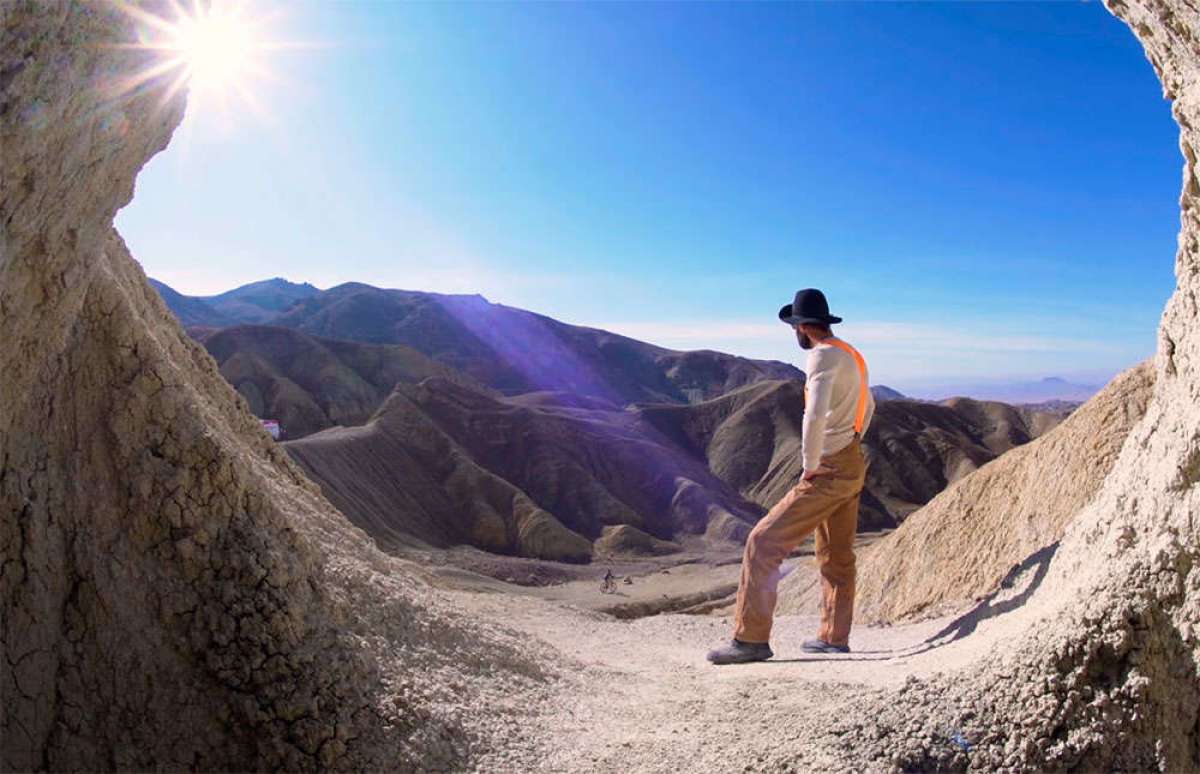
[832, 394]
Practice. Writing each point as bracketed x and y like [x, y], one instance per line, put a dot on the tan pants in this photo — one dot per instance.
[828, 506]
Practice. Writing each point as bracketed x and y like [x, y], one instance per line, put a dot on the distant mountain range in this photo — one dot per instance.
[1047, 390]
[508, 349]
[441, 420]
[257, 302]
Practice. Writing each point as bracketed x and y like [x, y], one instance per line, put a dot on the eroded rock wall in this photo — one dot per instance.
[173, 592]
[1102, 674]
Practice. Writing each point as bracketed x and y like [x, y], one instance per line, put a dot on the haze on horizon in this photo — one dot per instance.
[986, 192]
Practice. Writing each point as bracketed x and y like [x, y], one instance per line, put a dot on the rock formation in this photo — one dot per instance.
[174, 594]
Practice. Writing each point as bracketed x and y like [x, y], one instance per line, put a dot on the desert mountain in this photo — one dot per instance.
[572, 466]
[750, 439]
[509, 349]
[883, 392]
[308, 383]
[191, 311]
[1050, 388]
[748, 436]
[259, 302]
[538, 475]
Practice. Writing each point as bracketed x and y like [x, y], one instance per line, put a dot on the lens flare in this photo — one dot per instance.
[218, 49]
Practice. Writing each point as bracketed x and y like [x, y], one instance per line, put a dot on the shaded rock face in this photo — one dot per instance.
[173, 592]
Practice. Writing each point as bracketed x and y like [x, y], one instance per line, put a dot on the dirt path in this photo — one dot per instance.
[644, 699]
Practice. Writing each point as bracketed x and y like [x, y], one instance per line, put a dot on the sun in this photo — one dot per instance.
[217, 49]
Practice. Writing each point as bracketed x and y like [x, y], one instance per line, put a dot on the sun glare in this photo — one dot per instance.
[218, 49]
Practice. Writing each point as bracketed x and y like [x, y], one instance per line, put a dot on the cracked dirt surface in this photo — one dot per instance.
[175, 594]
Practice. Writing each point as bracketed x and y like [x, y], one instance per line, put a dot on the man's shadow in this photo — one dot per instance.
[966, 624]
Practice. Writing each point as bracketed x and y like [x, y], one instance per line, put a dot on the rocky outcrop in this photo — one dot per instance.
[174, 594]
[624, 540]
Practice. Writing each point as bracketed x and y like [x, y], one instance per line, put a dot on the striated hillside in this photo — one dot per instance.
[750, 438]
[725, 411]
[573, 465]
[529, 475]
[916, 449]
[309, 384]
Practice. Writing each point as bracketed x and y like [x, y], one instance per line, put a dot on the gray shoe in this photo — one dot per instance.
[738, 652]
[821, 646]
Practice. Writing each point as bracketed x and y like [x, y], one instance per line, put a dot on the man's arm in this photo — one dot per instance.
[819, 393]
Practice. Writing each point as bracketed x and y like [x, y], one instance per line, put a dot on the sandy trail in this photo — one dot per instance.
[643, 698]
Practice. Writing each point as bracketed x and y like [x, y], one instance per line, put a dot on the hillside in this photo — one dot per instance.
[191, 311]
[559, 469]
[750, 438]
[258, 302]
[509, 349]
[530, 476]
[309, 384]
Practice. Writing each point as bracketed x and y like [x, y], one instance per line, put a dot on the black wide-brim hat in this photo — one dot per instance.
[809, 306]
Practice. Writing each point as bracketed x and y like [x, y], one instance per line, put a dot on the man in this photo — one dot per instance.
[838, 407]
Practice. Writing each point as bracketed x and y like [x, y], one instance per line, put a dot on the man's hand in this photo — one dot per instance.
[822, 470]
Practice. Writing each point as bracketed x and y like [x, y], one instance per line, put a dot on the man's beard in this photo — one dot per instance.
[805, 341]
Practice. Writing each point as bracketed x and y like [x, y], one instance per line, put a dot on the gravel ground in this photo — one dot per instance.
[640, 696]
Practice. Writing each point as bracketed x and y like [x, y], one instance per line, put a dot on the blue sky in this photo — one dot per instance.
[985, 191]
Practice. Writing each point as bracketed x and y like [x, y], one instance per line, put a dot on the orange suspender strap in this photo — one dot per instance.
[861, 414]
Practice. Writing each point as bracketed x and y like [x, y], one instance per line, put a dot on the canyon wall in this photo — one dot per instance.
[174, 593]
